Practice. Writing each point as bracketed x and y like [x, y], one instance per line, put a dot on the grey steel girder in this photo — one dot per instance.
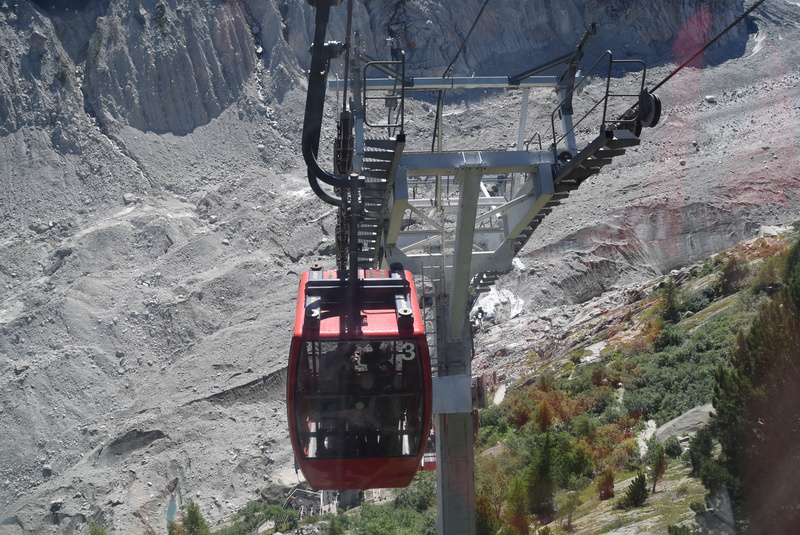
[456, 82]
[496, 222]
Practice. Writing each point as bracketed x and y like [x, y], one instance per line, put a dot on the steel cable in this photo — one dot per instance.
[447, 71]
[348, 31]
[704, 48]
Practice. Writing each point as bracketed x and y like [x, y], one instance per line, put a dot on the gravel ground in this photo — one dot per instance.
[148, 279]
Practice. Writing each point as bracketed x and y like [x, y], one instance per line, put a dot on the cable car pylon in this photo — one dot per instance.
[363, 384]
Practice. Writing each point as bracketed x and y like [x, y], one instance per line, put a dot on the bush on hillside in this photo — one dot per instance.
[771, 275]
[679, 378]
[672, 447]
[693, 302]
[734, 275]
[419, 495]
[605, 485]
[671, 335]
[96, 529]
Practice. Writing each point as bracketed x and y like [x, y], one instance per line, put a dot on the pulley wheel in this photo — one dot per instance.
[649, 109]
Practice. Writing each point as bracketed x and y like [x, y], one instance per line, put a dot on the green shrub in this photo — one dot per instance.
[734, 275]
[672, 447]
[63, 74]
[96, 529]
[693, 302]
[772, 274]
[671, 335]
[192, 522]
[605, 485]
[335, 527]
[485, 521]
[583, 425]
[679, 378]
[419, 495]
[374, 519]
[490, 416]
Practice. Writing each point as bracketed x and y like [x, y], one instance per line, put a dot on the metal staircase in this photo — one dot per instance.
[483, 281]
[568, 177]
[379, 167]
[593, 158]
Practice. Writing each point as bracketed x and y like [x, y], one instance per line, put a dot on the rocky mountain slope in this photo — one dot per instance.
[155, 216]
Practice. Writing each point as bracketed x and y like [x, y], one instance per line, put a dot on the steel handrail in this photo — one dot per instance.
[604, 100]
[377, 65]
[538, 137]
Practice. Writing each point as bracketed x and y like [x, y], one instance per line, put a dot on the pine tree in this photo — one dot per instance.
[516, 511]
[636, 493]
[192, 522]
[175, 528]
[700, 448]
[659, 465]
[544, 416]
[671, 312]
[541, 485]
[756, 400]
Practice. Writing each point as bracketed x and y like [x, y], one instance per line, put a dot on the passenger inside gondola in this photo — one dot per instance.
[336, 372]
[379, 362]
[360, 403]
[337, 367]
[363, 421]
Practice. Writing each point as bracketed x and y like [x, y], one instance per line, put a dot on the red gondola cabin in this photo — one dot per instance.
[359, 386]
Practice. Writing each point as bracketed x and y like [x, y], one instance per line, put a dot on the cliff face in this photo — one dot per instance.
[165, 67]
[171, 66]
[514, 36]
[154, 216]
[75, 76]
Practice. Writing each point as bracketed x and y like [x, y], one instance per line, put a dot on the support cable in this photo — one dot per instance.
[704, 48]
[448, 70]
[464, 41]
[347, 51]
